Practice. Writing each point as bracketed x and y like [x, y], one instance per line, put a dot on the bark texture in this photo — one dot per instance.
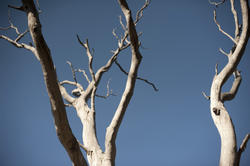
[229, 154]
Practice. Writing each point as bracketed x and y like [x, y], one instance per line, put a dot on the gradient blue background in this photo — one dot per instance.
[170, 127]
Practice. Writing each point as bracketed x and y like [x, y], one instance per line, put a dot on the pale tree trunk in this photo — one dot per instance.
[230, 155]
[85, 111]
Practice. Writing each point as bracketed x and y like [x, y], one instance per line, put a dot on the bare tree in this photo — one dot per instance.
[85, 110]
[230, 155]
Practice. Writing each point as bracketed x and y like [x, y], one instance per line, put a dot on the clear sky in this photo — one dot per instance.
[170, 127]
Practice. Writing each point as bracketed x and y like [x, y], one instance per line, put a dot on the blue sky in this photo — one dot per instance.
[170, 127]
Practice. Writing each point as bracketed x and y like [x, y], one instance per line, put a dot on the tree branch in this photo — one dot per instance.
[21, 45]
[232, 93]
[244, 143]
[62, 126]
[139, 78]
[65, 95]
[207, 97]
[236, 21]
[111, 132]
[139, 14]
[109, 92]
[86, 46]
[242, 149]
[216, 3]
[84, 74]
[219, 27]
[72, 70]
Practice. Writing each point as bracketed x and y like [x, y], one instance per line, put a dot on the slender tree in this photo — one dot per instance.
[85, 110]
[230, 155]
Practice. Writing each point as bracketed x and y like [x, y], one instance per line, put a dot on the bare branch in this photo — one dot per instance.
[221, 117]
[242, 149]
[84, 74]
[79, 86]
[21, 45]
[123, 26]
[93, 94]
[223, 52]
[216, 69]
[136, 57]
[114, 34]
[73, 70]
[207, 97]
[38, 7]
[84, 148]
[109, 92]
[65, 94]
[219, 27]
[233, 91]
[86, 46]
[236, 21]
[139, 78]
[139, 14]
[216, 3]
[11, 24]
[244, 143]
[20, 36]
[21, 8]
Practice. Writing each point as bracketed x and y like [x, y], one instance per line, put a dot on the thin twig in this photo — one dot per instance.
[244, 143]
[139, 14]
[223, 52]
[236, 21]
[109, 92]
[84, 74]
[220, 29]
[19, 37]
[73, 70]
[207, 97]
[216, 69]
[90, 57]
[139, 78]
[216, 3]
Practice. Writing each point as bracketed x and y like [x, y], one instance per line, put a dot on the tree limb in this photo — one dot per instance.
[63, 129]
[221, 30]
[242, 149]
[233, 91]
[21, 45]
[112, 130]
[65, 95]
[139, 14]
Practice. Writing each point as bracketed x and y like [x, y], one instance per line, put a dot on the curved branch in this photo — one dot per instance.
[233, 91]
[66, 96]
[112, 130]
[221, 30]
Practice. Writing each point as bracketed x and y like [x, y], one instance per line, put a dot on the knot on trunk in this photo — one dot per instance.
[216, 111]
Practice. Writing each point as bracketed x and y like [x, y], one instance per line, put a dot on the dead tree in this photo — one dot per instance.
[230, 155]
[85, 110]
